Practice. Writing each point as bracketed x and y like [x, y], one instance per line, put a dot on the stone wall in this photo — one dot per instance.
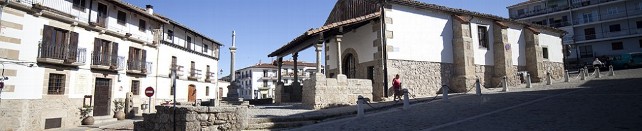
[194, 118]
[421, 78]
[321, 92]
[555, 68]
[30, 115]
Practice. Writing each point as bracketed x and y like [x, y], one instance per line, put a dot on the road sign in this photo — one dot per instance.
[149, 91]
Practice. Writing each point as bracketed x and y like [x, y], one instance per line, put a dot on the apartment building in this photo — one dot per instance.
[596, 28]
[259, 81]
[59, 55]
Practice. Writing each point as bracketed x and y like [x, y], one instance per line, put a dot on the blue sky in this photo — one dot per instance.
[262, 26]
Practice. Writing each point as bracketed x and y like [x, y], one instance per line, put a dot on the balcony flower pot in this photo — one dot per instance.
[118, 109]
[120, 115]
[84, 112]
[89, 120]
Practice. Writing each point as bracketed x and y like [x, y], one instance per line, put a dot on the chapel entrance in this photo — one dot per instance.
[191, 96]
[102, 96]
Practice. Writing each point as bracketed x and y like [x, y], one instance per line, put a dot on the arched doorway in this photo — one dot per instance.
[349, 66]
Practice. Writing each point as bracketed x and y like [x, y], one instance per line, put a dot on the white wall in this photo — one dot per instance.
[483, 56]
[420, 35]
[554, 45]
[359, 39]
[518, 45]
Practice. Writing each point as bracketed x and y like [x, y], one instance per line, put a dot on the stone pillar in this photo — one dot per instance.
[318, 51]
[278, 89]
[295, 95]
[464, 67]
[534, 57]
[338, 40]
[502, 54]
[232, 89]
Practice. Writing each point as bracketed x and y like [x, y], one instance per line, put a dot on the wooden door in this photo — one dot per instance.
[191, 96]
[102, 97]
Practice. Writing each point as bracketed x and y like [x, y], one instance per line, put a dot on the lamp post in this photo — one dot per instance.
[174, 70]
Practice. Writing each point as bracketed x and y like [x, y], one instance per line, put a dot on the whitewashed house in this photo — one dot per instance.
[427, 45]
[59, 55]
[259, 81]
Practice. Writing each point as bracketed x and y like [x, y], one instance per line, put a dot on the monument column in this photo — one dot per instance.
[232, 93]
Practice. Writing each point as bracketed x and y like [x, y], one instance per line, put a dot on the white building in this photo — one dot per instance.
[259, 81]
[62, 54]
[595, 28]
[428, 46]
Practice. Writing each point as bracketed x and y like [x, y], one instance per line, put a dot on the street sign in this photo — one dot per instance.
[149, 91]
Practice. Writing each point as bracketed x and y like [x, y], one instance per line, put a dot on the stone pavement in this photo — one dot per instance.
[122, 125]
[608, 103]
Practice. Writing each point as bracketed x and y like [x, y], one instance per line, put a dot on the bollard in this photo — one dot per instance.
[566, 76]
[505, 84]
[548, 78]
[586, 73]
[582, 74]
[444, 91]
[611, 73]
[360, 102]
[478, 87]
[597, 72]
[528, 80]
[406, 100]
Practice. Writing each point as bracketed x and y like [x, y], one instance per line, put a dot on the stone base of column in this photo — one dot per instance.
[462, 83]
[278, 92]
[296, 92]
[232, 93]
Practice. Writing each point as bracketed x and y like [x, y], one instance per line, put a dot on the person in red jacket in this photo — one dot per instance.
[396, 85]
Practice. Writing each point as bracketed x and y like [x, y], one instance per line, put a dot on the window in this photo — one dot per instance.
[640, 42]
[265, 73]
[265, 83]
[207, 91]
[617, 46]
[59, 44]
[537, 8]
[207, 72]
[101, 20]
[545, 52]
[614, 28]
[639, 24]
[188, 42]
[205, 48]
[135, 87]
[122, 18]
[137, 59]
[587, 17]
[483, 36]
[192, 69]
[56, 84]
[586, 51]
[170, 34]
[105, 53]
[80, 4]
[142, 26]
[285, 80]
[612, 10]
[520, 12]
[173, 61]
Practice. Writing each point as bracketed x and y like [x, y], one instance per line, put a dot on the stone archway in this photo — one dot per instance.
[350, 63]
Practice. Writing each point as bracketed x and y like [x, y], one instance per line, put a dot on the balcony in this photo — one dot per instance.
[107, 61]
[139, 67]
[560, 24]
[550, 10]
[264, 87]
[62, 7]
[605, 35]
[194, 74]
[55, 54]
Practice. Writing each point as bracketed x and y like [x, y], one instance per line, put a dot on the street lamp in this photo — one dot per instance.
[175, 69]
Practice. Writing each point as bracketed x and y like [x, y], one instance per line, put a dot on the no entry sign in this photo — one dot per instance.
[149, 91]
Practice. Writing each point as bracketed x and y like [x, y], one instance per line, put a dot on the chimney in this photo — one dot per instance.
[149, 9]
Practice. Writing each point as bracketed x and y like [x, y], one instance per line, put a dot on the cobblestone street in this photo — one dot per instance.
[607, 103]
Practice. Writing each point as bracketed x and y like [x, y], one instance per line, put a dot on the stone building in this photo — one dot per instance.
[427, 45]
[259, 81]
[59, 55]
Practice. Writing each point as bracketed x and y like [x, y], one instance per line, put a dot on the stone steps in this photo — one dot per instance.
[278, 125]
[98, 120]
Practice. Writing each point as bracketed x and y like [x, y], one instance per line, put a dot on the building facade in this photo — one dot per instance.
[596, 28]
[59, 55]
[428, 46]
[259, 81]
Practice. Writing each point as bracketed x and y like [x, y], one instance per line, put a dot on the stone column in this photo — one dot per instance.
[318, 51]
[278, 89]
[295, 57]
[502, 54]
[295, 95]
[338, 40]
[534, 56]
[464, 67]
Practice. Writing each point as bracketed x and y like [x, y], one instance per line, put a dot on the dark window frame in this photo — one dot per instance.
[135, 87]
[170, 34]
[188, 42]
[205, 48]
[638, 24]
[142, 25]
[482, 33]
[585, 52]
[545, 52]
[615, 28]
[640, 42]
[207, 90]
[121, 18]
[79, 4]
[56, 84]
[617, 46]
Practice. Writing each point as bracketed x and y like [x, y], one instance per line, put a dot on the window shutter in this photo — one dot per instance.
[131, 58]
[143, 61]
[114, 54]
[46, 43]
[73, 47]
[95, 56]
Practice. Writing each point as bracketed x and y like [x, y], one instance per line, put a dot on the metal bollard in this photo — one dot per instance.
[548, 78]
[360, 102]
[597, 72]
[611, 72]
[406, 100]
[582, 74]
[444, 91]
[586, 73]
[505, 84]
[478, 87]
[528, 80]
[566, 76]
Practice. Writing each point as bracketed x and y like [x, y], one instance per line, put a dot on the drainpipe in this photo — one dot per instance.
[384, 52]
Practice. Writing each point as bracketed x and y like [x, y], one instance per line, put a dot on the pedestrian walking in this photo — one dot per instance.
[396, 86]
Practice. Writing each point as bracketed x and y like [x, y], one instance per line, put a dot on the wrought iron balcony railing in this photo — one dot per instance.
[62, 54]
[107, 61]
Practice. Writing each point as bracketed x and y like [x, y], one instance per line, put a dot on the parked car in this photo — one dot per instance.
[627, 60]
